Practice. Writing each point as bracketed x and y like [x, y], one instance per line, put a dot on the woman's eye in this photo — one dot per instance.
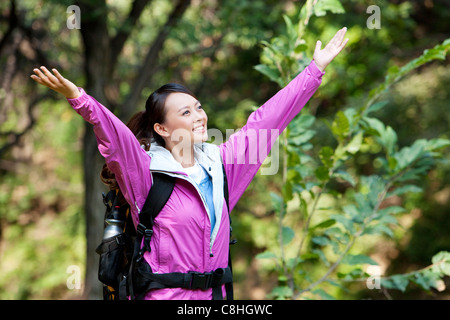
[200, 107]
[185, 113]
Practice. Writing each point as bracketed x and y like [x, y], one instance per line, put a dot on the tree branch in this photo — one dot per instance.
[150, 64]
[117, 43]
[13, 137]
[13, 22]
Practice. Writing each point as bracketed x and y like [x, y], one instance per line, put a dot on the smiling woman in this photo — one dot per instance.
[191, 234]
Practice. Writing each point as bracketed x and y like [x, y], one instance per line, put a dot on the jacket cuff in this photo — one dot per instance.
[315, 70]
[80, 100]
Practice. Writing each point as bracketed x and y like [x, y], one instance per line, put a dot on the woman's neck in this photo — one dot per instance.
[183, 154]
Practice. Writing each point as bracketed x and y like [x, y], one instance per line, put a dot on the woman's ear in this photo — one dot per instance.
[161, 130]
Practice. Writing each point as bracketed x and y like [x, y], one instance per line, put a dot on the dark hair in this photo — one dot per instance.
[142, 123]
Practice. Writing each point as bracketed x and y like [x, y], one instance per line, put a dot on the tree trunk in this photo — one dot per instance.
[101, 53]
[96, 43]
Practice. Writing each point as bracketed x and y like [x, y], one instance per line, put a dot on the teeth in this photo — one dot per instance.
[199, 128]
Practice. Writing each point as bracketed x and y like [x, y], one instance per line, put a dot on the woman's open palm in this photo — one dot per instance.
[56, 82]
[322, 57]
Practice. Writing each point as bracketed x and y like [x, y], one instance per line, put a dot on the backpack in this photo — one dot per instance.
[123, 270]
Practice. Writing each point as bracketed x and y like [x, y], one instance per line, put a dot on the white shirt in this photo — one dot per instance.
[196, 172]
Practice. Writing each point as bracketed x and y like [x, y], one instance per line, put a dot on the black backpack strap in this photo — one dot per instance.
[157, 197]
[228, 285]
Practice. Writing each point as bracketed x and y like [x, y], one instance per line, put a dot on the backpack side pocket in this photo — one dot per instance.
[113, 259]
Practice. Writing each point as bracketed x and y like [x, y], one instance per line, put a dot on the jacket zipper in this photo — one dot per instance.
[201, 196]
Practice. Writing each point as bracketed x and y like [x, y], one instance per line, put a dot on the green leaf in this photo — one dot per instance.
[407, 155]
[309, 256]
[441, 261]
[356, 273]
[345, 176]
[340, 126]
[300, 47]
[375, 107]
[302, 137]
[291, 30]
[388, 139]
[266, 255]
[281, 292]
[347, 223]
[435, 144]
[286, 191]
[276, 201]
[378, 229]
[400, 282]
[322, 173]
[287, 235]
[358, 259]
[272, 73]
[421, 280]
[409, 188]
[326, 156]
[355, 144]
[324, 224]
[391, 210]
[305, 121]
[322, 256]
[322, 6]
[374, 124]
[320, 240]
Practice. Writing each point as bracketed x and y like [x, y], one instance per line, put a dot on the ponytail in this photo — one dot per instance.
[139, 125]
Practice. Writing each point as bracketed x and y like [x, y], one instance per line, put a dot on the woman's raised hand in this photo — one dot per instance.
[56, 82]
[322, 57]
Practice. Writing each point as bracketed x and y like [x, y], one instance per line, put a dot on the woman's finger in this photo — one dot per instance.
[343, 44]
[337, 39]
[58, 75]
[318, 46]
[42, 77]
[342, 35]
[37, 79]
[49, 75]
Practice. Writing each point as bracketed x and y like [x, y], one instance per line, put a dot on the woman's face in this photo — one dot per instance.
[185, 120]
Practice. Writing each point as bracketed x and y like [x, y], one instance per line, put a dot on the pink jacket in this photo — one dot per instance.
[182, 239]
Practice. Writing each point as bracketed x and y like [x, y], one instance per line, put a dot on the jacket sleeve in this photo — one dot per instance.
[245, 150]
[120, 148]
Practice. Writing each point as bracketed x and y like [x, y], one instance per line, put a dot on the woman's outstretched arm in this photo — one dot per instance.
[245, 150]
[116, 143]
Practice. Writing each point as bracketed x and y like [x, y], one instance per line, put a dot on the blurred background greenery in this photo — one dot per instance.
[211, 46]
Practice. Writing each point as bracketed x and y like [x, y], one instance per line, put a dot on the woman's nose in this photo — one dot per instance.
[199, 116]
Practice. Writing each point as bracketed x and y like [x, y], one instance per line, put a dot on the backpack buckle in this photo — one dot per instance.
[200, 280]
[140, 229]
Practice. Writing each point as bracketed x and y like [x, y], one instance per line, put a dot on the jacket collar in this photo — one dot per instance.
[208, 156]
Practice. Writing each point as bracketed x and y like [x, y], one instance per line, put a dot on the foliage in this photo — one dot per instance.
[330, 232]
[212, 50]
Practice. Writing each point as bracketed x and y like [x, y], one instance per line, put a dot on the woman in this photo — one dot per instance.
[191, 233]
